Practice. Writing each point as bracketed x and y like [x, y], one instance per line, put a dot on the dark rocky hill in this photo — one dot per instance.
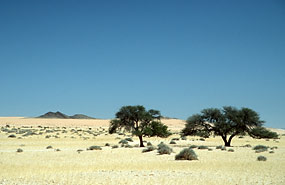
[80, 116]
[60, 115]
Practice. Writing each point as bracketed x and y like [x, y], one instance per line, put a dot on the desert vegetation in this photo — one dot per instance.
[140, 122]
[42, 153]
[227, 123]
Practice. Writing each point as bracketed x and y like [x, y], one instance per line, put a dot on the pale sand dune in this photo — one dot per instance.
[173, 124]
[21, 121]
[38, 165]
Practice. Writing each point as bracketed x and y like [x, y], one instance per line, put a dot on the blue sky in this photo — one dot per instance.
[179, 57]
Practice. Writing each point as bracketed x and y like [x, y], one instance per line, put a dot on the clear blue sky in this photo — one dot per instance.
[179, 57]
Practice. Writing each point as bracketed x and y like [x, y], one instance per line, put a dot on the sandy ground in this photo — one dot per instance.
[38, 165]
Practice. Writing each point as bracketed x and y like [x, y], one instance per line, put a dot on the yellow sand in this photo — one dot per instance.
[38, 165]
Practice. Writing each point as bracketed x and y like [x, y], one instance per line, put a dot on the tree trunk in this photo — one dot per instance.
[141, 141]
[225, 141]
[228, 142]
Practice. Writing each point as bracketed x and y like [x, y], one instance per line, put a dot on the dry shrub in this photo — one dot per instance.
[186, 154]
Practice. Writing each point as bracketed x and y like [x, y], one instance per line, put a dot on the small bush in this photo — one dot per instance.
[186, 154]
[260, 148]
[219, 147]
[231, 150]
[94, 148]
[129, 139]
[49, 147]
[271, 152]
[172, 142]
[12, 136]
[115, 146]
[107, 144]
[123, 141]
[148, 144]
[210, 149]
[128, 146]
[193, 146]
[148, 149]
[175, 139]
[247, 145]
[57, 150]
[261, 158]
[202, 147]
[79, 150]
[184, 138]
[202, 139]
[164, 149]
[19, 150]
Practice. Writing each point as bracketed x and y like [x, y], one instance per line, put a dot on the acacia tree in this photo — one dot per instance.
[139, 121]
[227, 122]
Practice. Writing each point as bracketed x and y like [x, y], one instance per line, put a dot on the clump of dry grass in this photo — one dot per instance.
[260, 148]
[164, 149]
[231, 150]
[261, 158]
[186, 154]
[19, 150]
[202, 147]
[49, 147]
[94, 148]
[148, 149]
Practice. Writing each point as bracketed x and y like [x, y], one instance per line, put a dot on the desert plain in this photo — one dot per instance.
[54, 151]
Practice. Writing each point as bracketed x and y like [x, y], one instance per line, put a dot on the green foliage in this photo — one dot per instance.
[156, 128]
[139, 121]
[225, 122]
[261, 132]
[186, 154]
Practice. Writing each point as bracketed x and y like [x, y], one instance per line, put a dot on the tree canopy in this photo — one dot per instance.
[226, 122]
[261, 132]
[139, 121]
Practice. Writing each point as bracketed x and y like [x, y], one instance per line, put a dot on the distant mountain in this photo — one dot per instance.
[60, 115]
[80, 116]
